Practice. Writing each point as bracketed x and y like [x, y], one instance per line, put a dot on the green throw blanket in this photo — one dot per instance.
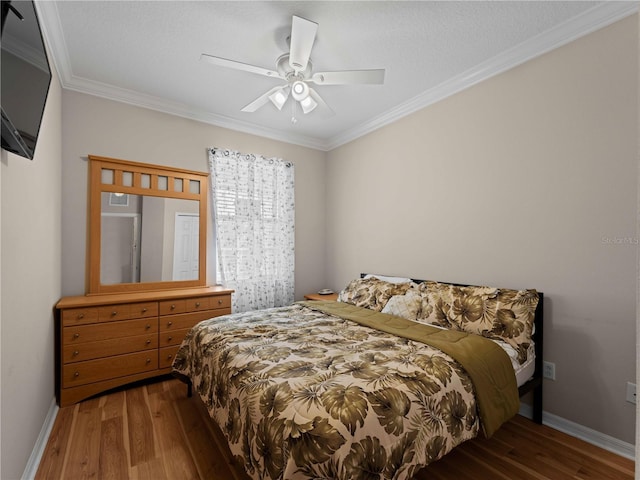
[487, 364]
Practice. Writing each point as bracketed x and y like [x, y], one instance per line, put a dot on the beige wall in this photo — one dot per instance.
[528, 179]
[637, 382]
[101, 127]
[30, 280]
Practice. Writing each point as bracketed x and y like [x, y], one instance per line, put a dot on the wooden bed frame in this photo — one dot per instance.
[534, 384]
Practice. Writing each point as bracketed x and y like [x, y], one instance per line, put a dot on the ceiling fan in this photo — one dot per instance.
[295, 69]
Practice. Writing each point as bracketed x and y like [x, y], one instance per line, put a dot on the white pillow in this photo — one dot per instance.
[406, 306]
[385, 278]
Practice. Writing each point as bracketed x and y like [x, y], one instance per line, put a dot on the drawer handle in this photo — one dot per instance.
[76, 353]
[80, 316]
[76, 335]
[219, 302]
[76, 374]
[148, 360]
[169, 339]
[169, 357]
[197, 304]
[147, 326]
[144, 310]
[173, 306]
[114, 313]
[169, 324]
[148, 342]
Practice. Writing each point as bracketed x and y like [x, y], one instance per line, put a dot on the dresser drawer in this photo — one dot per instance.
[220, 301]
[81, 373]
[105, 331]
[188, 320]
[104, 348]
[170, 307]
[112, 313]
[79, 316]
[143, 310]
[167, 354]
[196, 304]
[172, 337]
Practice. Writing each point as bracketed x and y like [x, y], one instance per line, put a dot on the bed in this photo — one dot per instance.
[383, 382]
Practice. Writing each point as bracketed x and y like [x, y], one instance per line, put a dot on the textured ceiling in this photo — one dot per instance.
[148, 54]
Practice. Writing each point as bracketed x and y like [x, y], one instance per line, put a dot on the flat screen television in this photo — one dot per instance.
[26, 77]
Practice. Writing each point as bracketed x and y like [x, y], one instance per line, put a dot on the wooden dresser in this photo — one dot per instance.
[105, 341]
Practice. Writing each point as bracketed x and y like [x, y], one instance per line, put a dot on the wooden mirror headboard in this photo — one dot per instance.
[147, 227]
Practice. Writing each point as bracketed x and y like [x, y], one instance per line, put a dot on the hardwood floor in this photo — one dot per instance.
[154, 432]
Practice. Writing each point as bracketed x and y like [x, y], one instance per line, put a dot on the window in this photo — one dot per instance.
[253, 214]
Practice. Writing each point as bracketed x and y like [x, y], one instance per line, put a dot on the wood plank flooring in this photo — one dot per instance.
[155, 432]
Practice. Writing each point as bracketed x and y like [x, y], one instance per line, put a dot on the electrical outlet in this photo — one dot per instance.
[549, 370]
[631, 392]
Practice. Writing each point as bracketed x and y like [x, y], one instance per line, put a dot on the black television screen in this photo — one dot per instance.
[26, 77]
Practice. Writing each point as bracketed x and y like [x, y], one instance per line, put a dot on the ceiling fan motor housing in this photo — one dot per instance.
[284, 69]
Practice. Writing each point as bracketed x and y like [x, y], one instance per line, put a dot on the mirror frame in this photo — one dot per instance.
[138, 172]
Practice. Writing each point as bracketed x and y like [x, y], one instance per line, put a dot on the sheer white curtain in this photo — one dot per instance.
[253, 214]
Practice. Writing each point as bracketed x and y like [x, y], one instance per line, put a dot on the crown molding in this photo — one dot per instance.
[52, 33]
[589, 21]
[150, 102]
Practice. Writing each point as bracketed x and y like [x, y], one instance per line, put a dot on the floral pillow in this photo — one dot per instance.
[407, 306]
[436, 302]
[515, 313]
[496, 313]
[371, 293]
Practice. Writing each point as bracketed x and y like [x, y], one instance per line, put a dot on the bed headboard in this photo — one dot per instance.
[535, 384]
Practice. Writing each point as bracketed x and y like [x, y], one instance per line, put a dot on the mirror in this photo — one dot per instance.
[145, 230]
[163, 247]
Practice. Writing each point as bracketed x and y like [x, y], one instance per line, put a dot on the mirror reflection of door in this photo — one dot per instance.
[153, 248]
[120, 255]
[186, 246]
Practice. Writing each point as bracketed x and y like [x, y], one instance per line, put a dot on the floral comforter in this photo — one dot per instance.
[302, 394]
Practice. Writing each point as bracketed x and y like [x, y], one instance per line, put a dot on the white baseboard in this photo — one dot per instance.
[41, 442]
[589, 435]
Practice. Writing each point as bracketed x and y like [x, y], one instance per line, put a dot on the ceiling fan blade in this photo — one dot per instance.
[223, 62]
[349, 77]
[303, 34]
[324, 108]
[261, 100]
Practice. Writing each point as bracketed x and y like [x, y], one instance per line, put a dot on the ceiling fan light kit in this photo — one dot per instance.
[279, 97]
[295, 69]
[308, 104]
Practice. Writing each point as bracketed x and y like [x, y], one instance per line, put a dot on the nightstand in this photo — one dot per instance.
[316, 296]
